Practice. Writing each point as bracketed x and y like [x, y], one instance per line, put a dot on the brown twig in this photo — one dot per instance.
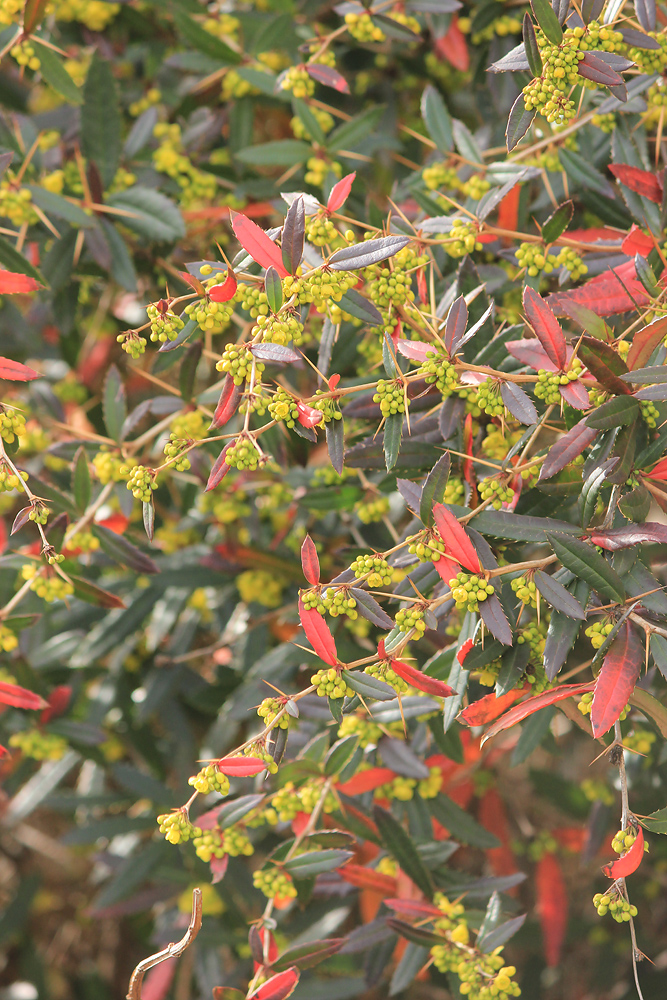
[173, 950]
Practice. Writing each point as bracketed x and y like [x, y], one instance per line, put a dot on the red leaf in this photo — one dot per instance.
[367, 781]
[644, 342]
[310, 561]
[328, 77]
[19, 697]
[551, 906]
[412, 907]
[308, 415]
[230, 397]
[381, 650]
[508, 210]
[57, 702]
[453, 47]
[366, 878]
[446, 568]
[529, 352]
[159, 979]
[567, 448]
[532, 705]
[255, 242]
[614, 291]
[227, 290]
[640, 181]
[13, 371]
[277, 987]
[628, 862]
[415, 350]
[421, 681]
[457, 543]
[575, 395]
[241, 767]
[659, 471]
[617, 678]
[464, 650]
[318, 634]
[637, 242]
[468, 468]
[219, 470]
[11, 283]
[218, 870]
[546, 326]
[333, 382]
[489, 707]
[340, 192]
[117, 523]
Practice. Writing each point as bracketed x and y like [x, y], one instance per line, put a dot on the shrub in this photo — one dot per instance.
[332, 448]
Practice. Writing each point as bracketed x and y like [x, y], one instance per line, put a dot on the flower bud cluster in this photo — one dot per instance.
[468, 591]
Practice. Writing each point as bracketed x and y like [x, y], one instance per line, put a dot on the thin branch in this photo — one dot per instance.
[171, 951]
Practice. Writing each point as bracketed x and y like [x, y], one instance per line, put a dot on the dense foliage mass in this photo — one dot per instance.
[332, 472]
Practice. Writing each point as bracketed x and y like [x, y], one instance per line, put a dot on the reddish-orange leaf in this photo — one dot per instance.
[446, 568]
[508, 210]
[310, 561]
[227, 290]
[318, 634]
[628, 862]
[489, 707]
[640, 181]
[241, 767]
[340, 192]
[546, 326]
[457, 543]
[367, 878]
[57, 702]
[453, 47]
[412, 907]
[644, 342]
[11, 283]
[277, 987]
[333, 382]
[13, 371]
[637, 242]
[255, 242]
[20, 697]
[230, 397]
[464, 650]
[218, 868]
[532, 705]
[659, 471]
[421, 681]
[617, 678]
[117, 523]
[551, 906]
[159, 979]
[367, 781]
[492, 815]
[308, 415]
[219, 470]
[614, 291]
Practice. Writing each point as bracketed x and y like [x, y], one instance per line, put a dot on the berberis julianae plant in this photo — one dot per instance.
[333, 451]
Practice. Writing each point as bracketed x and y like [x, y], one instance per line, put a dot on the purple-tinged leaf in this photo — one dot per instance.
[354, 303]
[219, 470]
[230, 397]
[653, 392]
[546, 326]
[335, 434]
[556, 596]
[492, 614]
[595, 69]
[294, 234]
[21, 519]
[411, 493]
[369, 608]
[638, 39]
[604, 363]
[530, 352]
[476, 327]
[274, 352]
[515, 59]
[645, 11]
[123, 551]
[647, 376]
[518, 403]
[617, 412]
[415, 350]
[591, 10]
[328, 77]
[566, 449]
[455, 325]
[650, 532]
[365, 254]
[617, 678]
[576, 395]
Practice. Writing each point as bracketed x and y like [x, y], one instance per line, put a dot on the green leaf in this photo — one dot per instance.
[466, 143]
[100, 119]
[53, 204]
[580, 170]
[656, 822]
[547, 20]
[615, 412]
[281, 153]
[188, 372]
[316, 863]
[15, 261]
[393, 431]
[81, 486]
[532, 51]
[351, 134]
[339, 755]
[412, 960]
[369, 687]
[533, 731]
[557, 222]
[437, 119]
[149, 213]
[588, 565]
[204, 41]
[308, 120]
[273, 289]
[461, 825]
[519, 121]
[55, 74]
[400, 846]
[433, 490]
[114, 404]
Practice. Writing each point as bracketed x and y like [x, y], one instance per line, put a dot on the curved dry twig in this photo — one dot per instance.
[173, 950]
